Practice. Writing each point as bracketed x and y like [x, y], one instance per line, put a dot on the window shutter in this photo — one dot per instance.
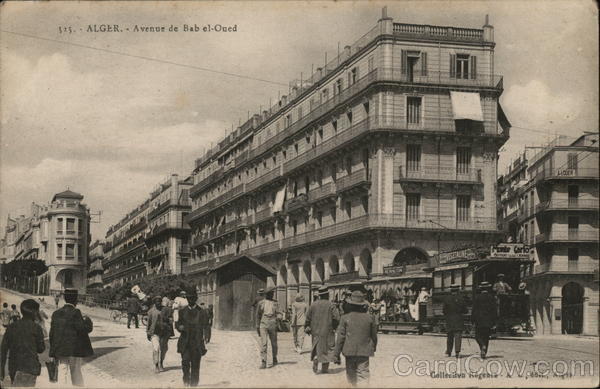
[473, 67]
[423, 63]
[403, 61]
[452, 65]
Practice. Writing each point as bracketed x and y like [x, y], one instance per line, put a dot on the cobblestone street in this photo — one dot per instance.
[123, 358]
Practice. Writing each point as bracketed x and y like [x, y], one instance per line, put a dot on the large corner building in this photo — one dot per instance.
[383, 158]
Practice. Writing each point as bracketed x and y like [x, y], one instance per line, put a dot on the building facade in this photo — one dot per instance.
[56, 233]
[152, 239]
[550, 201]
[382, 159]
[95, 268]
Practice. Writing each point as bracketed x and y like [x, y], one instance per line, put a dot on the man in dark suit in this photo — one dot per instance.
[133, 308]
[454, 308]
[356, 338]
[69, 340]
[484, 317]
[191, 342]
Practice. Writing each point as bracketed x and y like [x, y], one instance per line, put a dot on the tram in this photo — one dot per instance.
[468, 268]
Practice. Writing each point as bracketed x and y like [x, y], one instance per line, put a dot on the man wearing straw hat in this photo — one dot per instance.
[266, 313]
[299, 310]
[484, 316]
[356, 338]
[321, 321]
[453, 309]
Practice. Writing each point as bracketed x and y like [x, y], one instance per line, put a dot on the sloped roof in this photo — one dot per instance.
[263, 265]
[67, 194]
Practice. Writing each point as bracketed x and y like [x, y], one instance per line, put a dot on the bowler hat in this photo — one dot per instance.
[269, 290]
[484, 285]
[522, 286]
[500, 275]
[454, 286]
[182, 292]
[261, 291]
[70, 292]
[299, 298]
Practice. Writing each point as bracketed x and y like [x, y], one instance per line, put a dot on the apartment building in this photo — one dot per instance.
[383, 158]
[549, 200]
[152, 239]
[95, 268]
[56, 233]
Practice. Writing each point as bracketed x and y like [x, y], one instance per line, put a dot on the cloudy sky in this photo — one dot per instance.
[112, 126]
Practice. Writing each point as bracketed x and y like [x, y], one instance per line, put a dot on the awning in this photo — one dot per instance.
[466, 105]
[279, 199]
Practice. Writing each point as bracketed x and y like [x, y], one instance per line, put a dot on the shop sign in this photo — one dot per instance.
[510, 250]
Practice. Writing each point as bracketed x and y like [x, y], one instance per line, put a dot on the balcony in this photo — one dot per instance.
[165, 227]
[156, 253]
[441, 173]
[322, 193]
[344, 277]
[228, 196]
[166, 204]
[567, 236]
[438, 32]
[194, 190]
[198, 267]
[264, 179]
[564, 173]
[575, 204]
[297, 203]
[264, 248]
[357, 179]
[264, 215]
[126, 251]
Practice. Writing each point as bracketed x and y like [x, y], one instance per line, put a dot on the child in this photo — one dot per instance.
[22, 343]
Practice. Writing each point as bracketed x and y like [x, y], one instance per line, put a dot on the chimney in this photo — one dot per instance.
[283, 100]
[386, 23]
[488, 30]
[347, 49]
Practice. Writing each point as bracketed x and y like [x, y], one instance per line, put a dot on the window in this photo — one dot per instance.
[333, 211]
[413, 205]
[366, 107]
[371, 64]
[70, 252]
[573, 254]
[573, 195]
[413, 110]
[308, 139]
[284, 155]
[334, 172]
[463, 208]
[573, 227]
[274, 160]
[295, 188]
[337, 89]
[59, 225]
[295, 226]
[80, 226]
[413, 158]
[463, 160]
[349, 116]
[296, 148]
[320, 177]
[349, 209]
[463, 66]
[299, 113]
[365, 203]
[70, 226]
[325, 94]
[320, 132]
[572, 161]
[349, 164]
[79, 252]
[320, 218]
[353, 76]
[306, 184]
[59, 250]
[334, 124]
[288, 120]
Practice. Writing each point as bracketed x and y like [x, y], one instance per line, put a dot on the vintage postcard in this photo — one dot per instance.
[294, 194]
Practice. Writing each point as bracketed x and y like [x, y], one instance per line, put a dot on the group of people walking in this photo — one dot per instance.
[191, 320]
[68, 342]
[351, 331]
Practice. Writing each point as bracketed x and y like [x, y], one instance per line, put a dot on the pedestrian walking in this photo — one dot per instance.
[356, 339]
[191, 341]
[56, 300]
[321, 321]
[502, 289]
[267, 311]
[484, 317]
[157, 332]
[14, 315]
[69, 340]
[208, 327]
[179, 303]
[5, 316]
[22, 343]
[299, 310]
[453, 309]
[133, 309]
